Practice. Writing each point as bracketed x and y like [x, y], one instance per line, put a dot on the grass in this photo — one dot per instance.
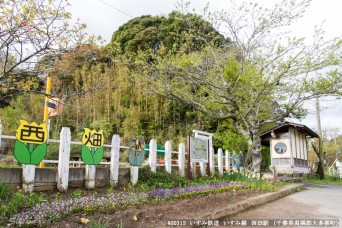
[332, 180]
[13, 202]
[9, 165]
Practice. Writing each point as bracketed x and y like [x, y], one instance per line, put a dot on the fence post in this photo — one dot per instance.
[181, 159]
[211, 160]
[220, 161]
[28, 177]
[152, 158]
[114, 161]
[0, 132]
[203, 168]
[134, 174]
[90, 173]
[227, 163]
[193, 166]
[167, 157]
[63, 159]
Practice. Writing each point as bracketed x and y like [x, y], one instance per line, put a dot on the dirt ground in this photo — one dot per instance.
[157, 215]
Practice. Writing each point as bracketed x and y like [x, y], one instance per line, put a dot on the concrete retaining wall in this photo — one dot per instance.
[46, 178]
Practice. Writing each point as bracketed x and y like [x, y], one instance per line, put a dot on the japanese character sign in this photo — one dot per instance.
[92, 148]
[92, 138]
[32, 133]
[30, 146]
[136, 152]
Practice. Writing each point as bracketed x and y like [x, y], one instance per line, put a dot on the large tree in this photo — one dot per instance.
[163, 34]
[31, 29]
[262, 77]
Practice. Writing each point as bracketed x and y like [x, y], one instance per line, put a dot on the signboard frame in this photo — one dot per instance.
[206, 136]
[199, 150]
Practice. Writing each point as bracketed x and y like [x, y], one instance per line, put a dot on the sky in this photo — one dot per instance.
[103, 17]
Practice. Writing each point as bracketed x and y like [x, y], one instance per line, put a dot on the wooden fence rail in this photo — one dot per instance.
[63, 162]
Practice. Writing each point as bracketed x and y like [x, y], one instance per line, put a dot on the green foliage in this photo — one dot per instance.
[164, 35]
[334, 180]
[53, 151]
[77, 193]
[23, 81]
[161, 179]
[95, 224]
[229, 138]
[266, 158]
[14, 202]
[5, 193]
[110, 190]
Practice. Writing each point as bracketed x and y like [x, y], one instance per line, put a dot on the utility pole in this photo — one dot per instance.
[47, 94]
[320, 169]
[46, 108]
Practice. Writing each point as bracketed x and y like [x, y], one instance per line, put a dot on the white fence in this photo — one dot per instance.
[336, 169]
[64, 162]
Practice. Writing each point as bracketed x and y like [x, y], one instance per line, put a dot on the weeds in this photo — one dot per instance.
[17, 201]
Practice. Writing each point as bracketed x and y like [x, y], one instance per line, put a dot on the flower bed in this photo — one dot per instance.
[193, 190]
[49, 212]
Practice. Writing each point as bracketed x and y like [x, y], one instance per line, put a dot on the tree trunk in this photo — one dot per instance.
[320, 168]
[256, 153]
[319, 153]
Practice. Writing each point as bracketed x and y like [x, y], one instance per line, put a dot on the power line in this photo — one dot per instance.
[116, 8]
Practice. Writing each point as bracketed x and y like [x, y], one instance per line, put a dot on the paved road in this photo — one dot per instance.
[317, 202]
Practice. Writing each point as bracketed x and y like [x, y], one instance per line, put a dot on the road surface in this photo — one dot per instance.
[317, 206]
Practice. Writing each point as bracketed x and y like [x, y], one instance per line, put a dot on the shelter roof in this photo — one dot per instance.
[283, 128]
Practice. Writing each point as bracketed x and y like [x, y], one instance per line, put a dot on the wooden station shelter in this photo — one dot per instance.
[288, 144]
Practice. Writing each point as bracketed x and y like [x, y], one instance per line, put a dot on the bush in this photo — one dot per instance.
[5, 193]
[12, 203]
[160, 179]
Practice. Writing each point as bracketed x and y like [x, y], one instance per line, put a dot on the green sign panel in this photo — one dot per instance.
[136, 153]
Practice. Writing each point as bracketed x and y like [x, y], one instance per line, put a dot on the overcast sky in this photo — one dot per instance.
[103, 17]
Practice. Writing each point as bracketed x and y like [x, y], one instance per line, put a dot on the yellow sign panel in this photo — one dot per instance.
[93, 138]
[32, 132]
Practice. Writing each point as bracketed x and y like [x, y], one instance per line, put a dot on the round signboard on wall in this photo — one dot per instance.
[280, 148]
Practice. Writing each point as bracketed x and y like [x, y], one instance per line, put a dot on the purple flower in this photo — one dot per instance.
[162, 193]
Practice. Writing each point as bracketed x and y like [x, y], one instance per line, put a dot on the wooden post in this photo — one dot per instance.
[90, 172]
[63, 159]
[189, 161]
[208, 163]
[203, 168]
[181, 159]
[0, 132]
[220, 161]
[193, 169]
[152, 159]
[227, 161]
[167, 158]
[114, 161]
[28, 177]
[211, 160]
[134, 174]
